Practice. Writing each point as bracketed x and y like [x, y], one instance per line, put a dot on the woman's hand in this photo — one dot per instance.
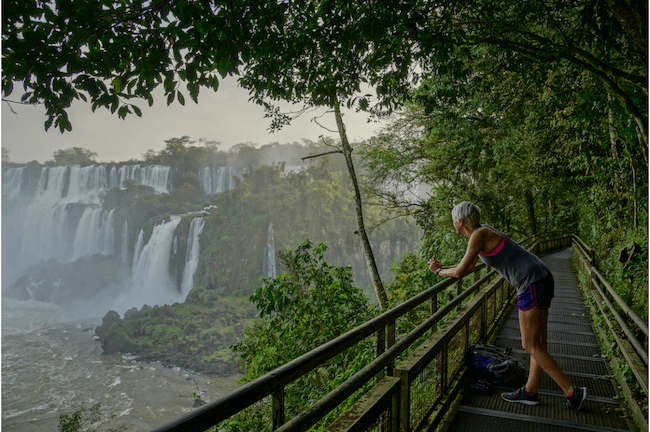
[434, 264]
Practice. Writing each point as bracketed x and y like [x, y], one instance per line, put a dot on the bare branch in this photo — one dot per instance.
[321, 154]
[327, 129]
[9, 105]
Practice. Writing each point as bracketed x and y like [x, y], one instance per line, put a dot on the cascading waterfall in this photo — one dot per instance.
[269, 269]
[139, 244]
[155, 176]
[192, 255]
[125, 242]
[61, 215]
[95, 233]
[151, 283]
[216, 179]
[12, 180]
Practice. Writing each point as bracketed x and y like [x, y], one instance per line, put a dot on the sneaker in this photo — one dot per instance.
[521, 396]
[575, 401]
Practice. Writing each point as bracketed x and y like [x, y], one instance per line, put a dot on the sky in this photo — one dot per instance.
[225, 116]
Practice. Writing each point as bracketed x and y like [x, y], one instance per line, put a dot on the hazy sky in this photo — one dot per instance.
[225, 116]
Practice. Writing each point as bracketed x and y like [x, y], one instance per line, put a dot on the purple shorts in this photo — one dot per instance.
[538, 294]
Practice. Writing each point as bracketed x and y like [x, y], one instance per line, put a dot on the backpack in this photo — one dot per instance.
[493, 365]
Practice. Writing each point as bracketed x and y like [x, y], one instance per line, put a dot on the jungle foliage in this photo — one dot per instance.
[309, 304]
[313, 203]
[534, 159]
[536, 111]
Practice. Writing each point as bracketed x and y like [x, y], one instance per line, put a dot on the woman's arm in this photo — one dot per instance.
[468, 262]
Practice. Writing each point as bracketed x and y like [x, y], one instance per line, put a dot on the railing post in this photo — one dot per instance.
[433, 308]
[278, 408]
[484, 320]
[381, 348]
[391, 342]
[459, 290]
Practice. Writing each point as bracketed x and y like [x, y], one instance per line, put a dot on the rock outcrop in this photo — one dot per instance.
[196, 334]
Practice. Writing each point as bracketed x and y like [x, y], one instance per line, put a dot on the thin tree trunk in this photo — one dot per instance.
[361, 230]
[531, 212]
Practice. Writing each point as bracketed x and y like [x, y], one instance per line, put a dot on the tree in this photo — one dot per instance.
[5, 155]
[112, 52]
[310, 303]
[529, 156]
[315, 53]
[74, 156]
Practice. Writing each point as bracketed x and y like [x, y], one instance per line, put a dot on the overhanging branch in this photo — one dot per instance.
[321, 154]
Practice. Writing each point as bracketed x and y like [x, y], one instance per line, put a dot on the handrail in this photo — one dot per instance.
[621, 303]
[310, 416]
[632, 349]
[273, 383]
[256, 390]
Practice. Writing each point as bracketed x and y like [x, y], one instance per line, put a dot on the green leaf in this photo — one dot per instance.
[117, 84]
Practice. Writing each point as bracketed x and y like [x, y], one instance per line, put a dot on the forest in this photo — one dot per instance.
[535, 112]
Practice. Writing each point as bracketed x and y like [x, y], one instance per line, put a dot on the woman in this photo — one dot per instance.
[535, 289]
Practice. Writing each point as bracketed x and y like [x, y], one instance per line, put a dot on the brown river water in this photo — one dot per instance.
[51, 364]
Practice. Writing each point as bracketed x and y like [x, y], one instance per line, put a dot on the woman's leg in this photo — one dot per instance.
[535, 370]
[533, 323]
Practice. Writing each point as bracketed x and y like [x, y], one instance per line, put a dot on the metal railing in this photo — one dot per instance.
[406, 396]
[608, 303]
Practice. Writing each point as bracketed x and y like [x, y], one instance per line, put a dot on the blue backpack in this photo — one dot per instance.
[494, 365]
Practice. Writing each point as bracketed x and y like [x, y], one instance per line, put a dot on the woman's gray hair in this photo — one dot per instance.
[467, 211]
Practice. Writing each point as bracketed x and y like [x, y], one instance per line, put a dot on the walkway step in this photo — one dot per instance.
[574, 345]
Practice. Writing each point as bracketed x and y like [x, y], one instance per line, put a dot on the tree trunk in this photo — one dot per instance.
[361, 230]
[531, 212]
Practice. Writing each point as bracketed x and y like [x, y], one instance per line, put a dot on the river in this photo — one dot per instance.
[52, 363]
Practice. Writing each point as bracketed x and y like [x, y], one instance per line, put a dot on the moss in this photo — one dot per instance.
[186, 334]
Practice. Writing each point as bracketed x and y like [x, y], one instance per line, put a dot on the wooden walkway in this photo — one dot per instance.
[572, 342]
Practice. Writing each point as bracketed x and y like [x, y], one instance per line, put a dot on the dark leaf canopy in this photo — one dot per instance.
[314, 52]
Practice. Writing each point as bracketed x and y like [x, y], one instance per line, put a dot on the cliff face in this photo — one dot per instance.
[196, 334]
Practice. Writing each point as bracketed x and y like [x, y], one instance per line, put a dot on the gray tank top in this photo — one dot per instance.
[517, 265]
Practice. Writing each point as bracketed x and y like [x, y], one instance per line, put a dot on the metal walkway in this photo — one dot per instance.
[573, 344]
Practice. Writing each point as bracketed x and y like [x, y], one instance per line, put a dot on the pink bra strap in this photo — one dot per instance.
[496, 249]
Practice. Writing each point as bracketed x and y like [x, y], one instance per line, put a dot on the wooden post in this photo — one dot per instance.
[381, 348]
[278, 408]
[433, 308]
[391, 342]
[404, 401]
[459, 290]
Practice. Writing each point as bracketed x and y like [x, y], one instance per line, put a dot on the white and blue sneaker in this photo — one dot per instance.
[521, 396]
[575, 401]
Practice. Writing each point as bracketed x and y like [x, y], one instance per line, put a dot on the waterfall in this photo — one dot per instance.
[269, 270]
[224, 179]
[155, 176]
[150, 280]
[205, 177]
[192, 255]
[59, 214]
[125, 242]
[88, 184]
[95, 233]
[138, 249]
[51, 185]
[44, 234]
[216, 180]
[113, 178]
[12, 180]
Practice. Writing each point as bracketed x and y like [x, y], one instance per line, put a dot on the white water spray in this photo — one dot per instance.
[192, 255]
